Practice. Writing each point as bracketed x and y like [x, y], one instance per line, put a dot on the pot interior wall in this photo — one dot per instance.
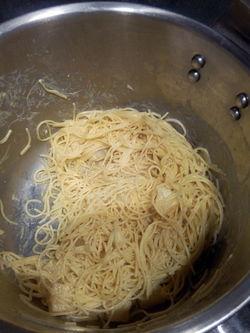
[112, 59]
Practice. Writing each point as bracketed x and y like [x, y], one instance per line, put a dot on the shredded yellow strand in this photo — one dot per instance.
[51, 91]
[6, 137]
[5, 156]
[4, 215]
[128, 206]
[28, 145]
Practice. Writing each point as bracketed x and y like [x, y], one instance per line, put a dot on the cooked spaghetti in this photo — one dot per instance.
[6, 137]
[127, 207]
[28, 144]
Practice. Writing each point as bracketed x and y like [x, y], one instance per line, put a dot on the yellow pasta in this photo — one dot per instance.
[51, 91]
[6, 137]
[28, 144]
[128, 206]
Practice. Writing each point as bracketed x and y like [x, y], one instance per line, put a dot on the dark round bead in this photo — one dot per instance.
[242, 100]
[235, 113]
[198, 61]
[194, 75]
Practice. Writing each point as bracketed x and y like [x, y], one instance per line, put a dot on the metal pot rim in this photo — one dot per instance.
[125, 8]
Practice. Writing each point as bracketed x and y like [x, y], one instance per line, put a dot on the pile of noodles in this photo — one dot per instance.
[128, 205]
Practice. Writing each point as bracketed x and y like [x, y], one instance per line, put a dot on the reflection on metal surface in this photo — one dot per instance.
[221, 329]
[46, 14]
[242, 100]
[198, 61]
[194, 75]
[239, 323]
[235, 113]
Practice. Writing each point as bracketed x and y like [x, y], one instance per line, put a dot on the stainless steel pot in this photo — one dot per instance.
[109, 54]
